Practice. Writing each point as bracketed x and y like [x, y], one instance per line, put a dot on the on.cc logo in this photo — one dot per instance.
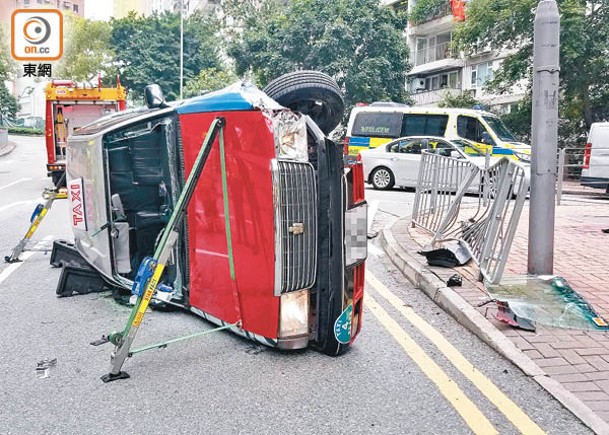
[37, 30]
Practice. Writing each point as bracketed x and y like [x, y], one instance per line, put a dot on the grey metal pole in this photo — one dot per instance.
[181, 47]
[544, 138]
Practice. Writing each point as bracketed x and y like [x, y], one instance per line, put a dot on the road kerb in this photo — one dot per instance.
[413, 268]
[7, 149]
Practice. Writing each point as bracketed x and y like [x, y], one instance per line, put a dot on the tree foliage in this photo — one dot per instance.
[88, 50]
[208, 80]
[8, 103]
[358, 42]
[425, 10]
[459, 100]
[508, 24]
[147, 50]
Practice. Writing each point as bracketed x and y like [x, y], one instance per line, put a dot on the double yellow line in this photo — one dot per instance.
[470, 413]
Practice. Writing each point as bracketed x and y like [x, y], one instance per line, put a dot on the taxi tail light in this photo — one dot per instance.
[587, 153]
[346, 147]
[358, 181]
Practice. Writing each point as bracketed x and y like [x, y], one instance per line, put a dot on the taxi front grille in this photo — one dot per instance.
[295, 200]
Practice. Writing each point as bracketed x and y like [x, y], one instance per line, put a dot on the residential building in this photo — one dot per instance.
[8, 6]
[121, 8]
[436, 70]
[147, 7]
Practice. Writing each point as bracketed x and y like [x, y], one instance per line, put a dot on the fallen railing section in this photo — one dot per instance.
[487, 225]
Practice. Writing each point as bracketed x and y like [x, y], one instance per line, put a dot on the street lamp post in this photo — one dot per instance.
[181, 47]
[544, 138]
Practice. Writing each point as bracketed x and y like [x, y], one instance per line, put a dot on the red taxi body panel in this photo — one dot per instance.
[249, 147]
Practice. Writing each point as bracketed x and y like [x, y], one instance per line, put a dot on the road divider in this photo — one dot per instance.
[504, 404]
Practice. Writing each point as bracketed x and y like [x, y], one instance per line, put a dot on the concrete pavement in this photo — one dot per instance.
[573, 365]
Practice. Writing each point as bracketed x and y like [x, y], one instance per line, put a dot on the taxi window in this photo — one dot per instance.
[424, 125]
[377, 125]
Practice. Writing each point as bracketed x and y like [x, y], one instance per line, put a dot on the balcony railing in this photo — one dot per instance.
[428, 11]
[427, 98]
[431, 54]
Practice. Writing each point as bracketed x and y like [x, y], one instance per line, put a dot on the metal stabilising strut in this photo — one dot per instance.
[151, 269]
[38, 215]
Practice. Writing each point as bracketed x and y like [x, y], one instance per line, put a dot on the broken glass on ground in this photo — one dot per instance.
[527, 301]
[43, 367]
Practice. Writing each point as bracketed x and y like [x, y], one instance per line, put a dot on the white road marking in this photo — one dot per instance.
[24, 256]
[14, 204]
[21, 180]
[374, 250]
[372, 209]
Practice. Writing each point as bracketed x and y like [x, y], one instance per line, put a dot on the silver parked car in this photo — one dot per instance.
[397, 163]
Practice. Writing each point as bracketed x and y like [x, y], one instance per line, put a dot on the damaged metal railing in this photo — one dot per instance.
[587, 166]
[487, 225]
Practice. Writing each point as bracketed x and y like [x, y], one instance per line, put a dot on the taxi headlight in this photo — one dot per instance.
[294, 314]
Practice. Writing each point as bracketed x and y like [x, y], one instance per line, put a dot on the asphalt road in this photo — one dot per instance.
[412, 370]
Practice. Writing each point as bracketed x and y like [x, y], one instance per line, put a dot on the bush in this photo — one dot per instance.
[28, 131]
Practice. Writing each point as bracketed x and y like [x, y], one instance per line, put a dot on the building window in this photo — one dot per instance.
[26, 2]
[433, 48]
[448, 80]
[481, 73]
[75, 8]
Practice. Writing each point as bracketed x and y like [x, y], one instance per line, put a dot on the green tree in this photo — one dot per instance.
[208, 80]
[459, 100]
[8, 103]
[88, 50]
[147, 50]
[425, 10]
[358, 42]
[508, 24]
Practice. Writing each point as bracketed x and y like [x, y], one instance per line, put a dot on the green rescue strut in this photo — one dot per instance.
[151, 269]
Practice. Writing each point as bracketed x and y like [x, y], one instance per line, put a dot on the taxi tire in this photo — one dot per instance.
[311, 93]
[389, 185]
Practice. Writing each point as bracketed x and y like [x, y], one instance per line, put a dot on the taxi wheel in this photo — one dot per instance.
[382, 179]
[311, 93]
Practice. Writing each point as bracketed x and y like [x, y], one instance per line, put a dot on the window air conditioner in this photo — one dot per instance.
[419, 84]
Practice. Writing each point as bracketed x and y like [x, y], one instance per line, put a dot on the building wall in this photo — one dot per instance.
[148, 7]
[8, 6]
[433, 63]
[123, 7]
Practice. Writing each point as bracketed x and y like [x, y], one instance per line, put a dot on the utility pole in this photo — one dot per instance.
[181, 47]
[544, 138]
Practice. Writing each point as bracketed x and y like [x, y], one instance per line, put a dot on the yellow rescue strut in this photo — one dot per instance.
[38, 215]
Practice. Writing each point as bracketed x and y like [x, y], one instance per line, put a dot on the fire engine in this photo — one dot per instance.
[70, 106]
